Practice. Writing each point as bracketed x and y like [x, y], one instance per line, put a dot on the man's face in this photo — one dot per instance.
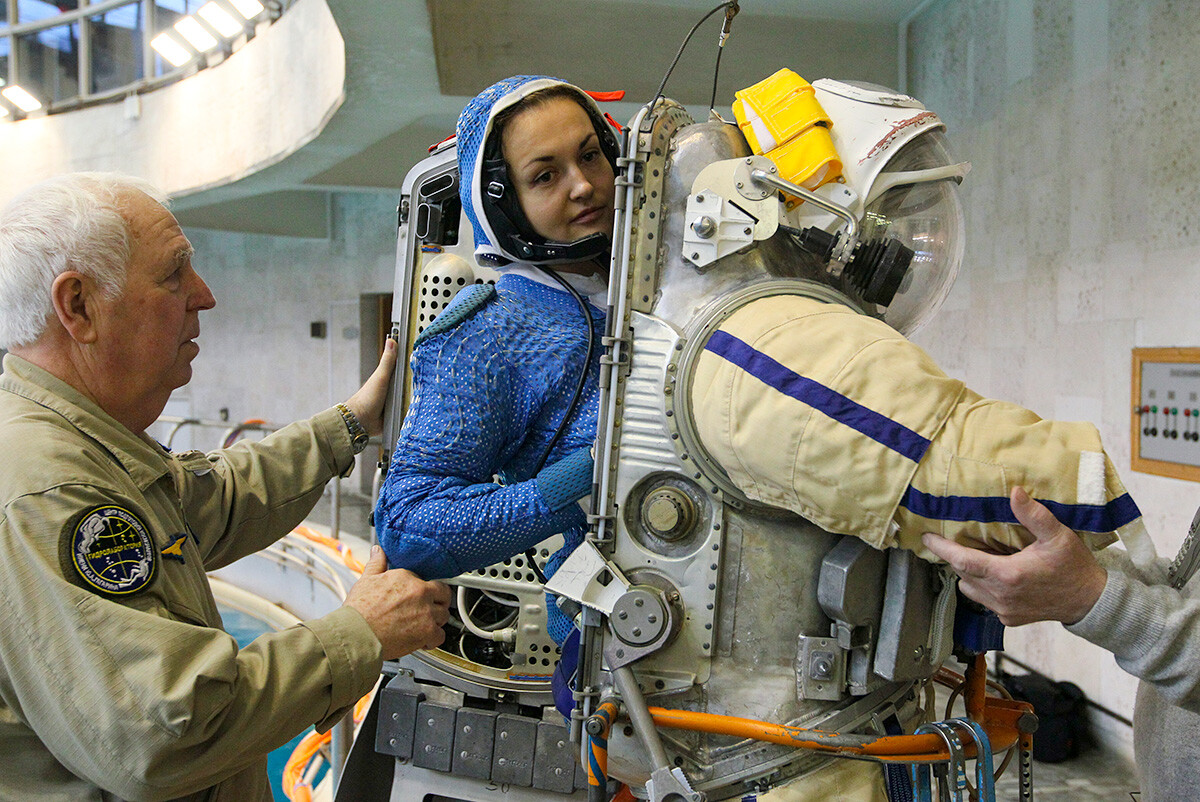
[146, 335]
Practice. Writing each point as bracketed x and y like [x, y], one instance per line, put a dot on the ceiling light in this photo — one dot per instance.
[248, 8]
[20, 98]
[221, 20]
[196, 35]
[169, 48]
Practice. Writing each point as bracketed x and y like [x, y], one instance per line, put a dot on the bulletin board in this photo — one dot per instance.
[1165, 430]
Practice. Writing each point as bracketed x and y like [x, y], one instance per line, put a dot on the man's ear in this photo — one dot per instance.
[73, 295]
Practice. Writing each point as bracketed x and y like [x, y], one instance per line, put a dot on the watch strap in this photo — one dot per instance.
[358, 433]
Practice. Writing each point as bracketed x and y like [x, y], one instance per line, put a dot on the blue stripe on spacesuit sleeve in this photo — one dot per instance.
[996, 509]
[880, 428]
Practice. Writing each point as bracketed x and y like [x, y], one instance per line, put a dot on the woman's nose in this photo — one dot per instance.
[581, 185]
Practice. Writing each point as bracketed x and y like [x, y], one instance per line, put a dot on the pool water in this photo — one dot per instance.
[245, 628]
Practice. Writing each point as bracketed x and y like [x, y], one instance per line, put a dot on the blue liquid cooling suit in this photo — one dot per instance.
[492, 379]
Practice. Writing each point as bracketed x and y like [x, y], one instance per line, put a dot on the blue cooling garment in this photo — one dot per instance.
[488, 394]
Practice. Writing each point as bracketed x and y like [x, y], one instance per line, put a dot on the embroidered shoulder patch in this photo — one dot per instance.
[174, 550]
[111, 550]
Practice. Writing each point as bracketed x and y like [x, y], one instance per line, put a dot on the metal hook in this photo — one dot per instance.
[955, 771]
[985, 777]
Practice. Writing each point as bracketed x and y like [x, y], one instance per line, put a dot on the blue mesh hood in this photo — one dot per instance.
[474, 126]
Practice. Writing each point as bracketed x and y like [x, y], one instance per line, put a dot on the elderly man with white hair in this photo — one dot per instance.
[116, 678]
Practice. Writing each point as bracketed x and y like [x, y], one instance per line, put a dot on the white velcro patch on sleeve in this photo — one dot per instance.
[1090, 487]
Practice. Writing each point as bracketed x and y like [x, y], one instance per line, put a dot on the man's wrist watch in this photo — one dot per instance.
[358, 434]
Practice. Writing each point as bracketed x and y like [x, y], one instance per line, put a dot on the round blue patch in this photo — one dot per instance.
[112, 551]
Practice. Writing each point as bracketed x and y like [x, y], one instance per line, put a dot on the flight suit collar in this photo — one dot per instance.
[142, 459]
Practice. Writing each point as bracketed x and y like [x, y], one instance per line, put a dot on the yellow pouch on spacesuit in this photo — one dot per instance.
[782, 120]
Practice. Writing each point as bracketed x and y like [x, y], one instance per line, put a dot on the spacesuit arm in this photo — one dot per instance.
[832, 414]
[1153, 631]
[441, 512]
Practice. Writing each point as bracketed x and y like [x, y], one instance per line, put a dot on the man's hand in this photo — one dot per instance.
[1055, 578]
[367, 403]
[405, 612]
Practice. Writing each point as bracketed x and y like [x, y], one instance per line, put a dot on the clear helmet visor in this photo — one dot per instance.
[915, 199]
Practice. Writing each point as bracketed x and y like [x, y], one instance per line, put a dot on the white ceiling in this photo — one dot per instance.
[412, 64]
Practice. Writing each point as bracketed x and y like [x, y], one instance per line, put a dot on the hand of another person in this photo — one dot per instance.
[1055, 578]
[405, 612]
[367, 403]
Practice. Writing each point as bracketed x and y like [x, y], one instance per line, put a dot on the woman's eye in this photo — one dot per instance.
[542, 178]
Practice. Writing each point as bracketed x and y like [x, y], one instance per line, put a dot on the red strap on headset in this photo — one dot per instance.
[437, 145]
[606, 97]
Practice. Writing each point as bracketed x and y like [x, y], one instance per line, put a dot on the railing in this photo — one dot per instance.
[172, 426]
[107, 50]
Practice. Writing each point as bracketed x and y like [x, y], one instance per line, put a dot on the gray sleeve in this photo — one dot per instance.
[1152, 629]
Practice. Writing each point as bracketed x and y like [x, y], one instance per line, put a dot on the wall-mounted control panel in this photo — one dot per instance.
[1166, 412]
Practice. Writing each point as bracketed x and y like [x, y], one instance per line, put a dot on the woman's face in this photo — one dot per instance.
[563, 181]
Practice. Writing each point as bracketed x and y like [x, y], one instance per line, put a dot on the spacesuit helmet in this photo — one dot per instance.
[900, 180]
[503, 233]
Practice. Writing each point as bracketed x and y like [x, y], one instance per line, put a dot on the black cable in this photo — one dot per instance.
[712, 104]
[731, 11]
[531, 554]
[687, 39]
[583, 373]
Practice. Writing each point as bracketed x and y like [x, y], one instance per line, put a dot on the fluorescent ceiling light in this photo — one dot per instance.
[196, 35]
[20, 98]
[221, 20]
[169, 48]
[248, 8]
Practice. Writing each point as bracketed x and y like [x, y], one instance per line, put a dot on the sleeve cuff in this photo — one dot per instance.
[567, 480]
[331, 429]
[354, 655]
[1124, 620]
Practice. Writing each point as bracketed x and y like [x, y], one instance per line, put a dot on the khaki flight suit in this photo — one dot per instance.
[143, 696]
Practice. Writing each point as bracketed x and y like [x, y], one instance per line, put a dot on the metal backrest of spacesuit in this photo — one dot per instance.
[434, 262]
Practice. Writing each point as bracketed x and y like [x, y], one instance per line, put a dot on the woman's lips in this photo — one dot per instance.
[588, 215]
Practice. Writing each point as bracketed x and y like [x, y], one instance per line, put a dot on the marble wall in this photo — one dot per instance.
[1083, 232]
[258, 358]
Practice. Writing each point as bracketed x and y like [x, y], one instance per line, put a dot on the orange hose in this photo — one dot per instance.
[624, 795]
[884, 747]
[293, 771]
[337, 545]
[1001, 718]
[294, 786]
[297, 764]
[237, 431]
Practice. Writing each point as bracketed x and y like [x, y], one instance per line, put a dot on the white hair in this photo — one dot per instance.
[71, 222]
